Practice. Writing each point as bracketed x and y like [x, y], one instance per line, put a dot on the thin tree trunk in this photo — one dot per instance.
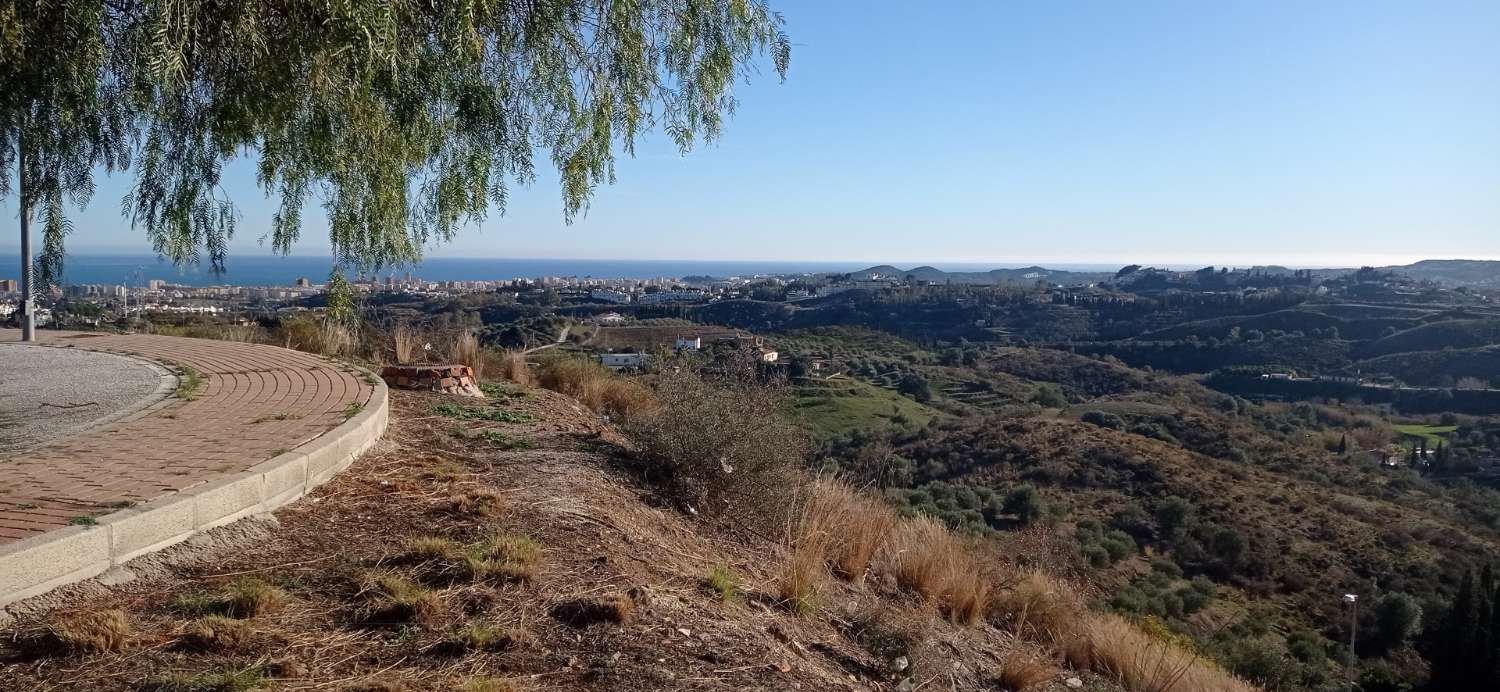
[28, 307]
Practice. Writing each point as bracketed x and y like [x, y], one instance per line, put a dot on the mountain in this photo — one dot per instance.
[1453, 272]
[994, 276]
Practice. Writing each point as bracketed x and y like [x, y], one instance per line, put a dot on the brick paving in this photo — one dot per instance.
[254, 403]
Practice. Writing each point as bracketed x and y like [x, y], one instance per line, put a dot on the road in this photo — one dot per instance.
[561, 337]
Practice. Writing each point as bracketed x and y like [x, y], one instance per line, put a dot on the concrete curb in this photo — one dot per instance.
[36, 565]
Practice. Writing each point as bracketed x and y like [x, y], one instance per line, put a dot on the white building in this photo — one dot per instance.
[622, 361]
[610, 296]
[688, 343]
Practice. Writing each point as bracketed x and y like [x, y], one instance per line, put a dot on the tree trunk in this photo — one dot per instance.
[28, 307]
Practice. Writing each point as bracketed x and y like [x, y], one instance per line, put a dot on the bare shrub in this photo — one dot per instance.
[720, 444]
[810, 539]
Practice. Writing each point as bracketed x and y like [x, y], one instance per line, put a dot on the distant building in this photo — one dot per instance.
[610, 296]
[672, 297]
[156, 285]
[9, 286]
[609, 318]
[302, 282]
[688, 343]
[622, 361]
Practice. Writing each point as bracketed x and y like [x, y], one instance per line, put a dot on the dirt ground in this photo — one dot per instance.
[617, 600]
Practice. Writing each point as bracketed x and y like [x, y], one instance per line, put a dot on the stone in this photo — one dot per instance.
[1074, 683]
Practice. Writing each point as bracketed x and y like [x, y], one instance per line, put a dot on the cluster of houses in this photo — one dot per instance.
[688, 342]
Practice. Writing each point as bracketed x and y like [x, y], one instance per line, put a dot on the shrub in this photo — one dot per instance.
[858, 525]
[1104, 420]
[1020, 671]
[248, 597]
[596, 387]
[720, 445]
[928, 560]
[1397, 618]
[1038, 606]
[1113, 647]
[394, 598]
[1049, 396]
[1025, 503]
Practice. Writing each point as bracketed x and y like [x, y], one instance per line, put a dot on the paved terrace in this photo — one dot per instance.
[252, 403]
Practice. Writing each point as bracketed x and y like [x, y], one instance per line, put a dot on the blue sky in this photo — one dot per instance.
[1302, 133]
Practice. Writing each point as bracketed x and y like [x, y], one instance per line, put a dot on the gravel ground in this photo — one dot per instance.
[47, 393]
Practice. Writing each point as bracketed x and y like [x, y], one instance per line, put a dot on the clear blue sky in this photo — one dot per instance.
[1304, 133]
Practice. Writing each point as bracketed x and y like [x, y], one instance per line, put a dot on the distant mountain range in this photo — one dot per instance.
[1457, 272]
[993, 276]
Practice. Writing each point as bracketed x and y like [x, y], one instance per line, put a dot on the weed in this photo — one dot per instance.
[479, 636]
[196, 604]
[1021, 671]
[25, 505]
[430, 548]
[394, 598]
[229, 680]
[723, 581]
[505, 556]
[494, 437]
[277, 417]
[489, 413]
[83, 521]
[188, 383]
[353, 409]
[490, 685]
[445, 471]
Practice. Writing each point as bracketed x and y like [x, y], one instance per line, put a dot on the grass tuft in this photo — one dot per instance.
[491, 685]
[248, 597]
[723, 581]
[503, 556]
[217, 633]
[88, 631]
[230, 680]
[394, 598]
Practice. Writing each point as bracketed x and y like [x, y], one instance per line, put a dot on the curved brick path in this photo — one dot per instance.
[254, 403]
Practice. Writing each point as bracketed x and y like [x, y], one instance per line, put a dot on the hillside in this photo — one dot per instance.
[591, 583]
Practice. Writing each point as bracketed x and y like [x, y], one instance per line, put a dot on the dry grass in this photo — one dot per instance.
[248, 597]
[1040, 607]
[217, 633]
[723, 581]
[87, 631]
[505, 556]
[1111, 646]
[596, 387]
[479, 502]
[1020, 671]
[406, 344]
[394, 598]
[929, 560]
[421, 548]
[480, 636]
[492, 685]
[511, 365]
[859, 526]
[465, 350]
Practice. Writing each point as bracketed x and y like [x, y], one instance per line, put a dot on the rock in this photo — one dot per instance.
[901, 663]
[1073, 682]
[906, 685]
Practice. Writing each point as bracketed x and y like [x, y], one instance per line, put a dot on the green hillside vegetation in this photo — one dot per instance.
[840, 406]
[1433, 434]
[1436, 336]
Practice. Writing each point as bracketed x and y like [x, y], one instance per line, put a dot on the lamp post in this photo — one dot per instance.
[1353, 601]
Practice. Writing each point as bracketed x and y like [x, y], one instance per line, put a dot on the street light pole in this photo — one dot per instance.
[1353, 601]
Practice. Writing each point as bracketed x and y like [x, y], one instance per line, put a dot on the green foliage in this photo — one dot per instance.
[407, 119]
[1104, 420]
[1049, 396]
[1398, 617]
[1025, 503]
[489, 413]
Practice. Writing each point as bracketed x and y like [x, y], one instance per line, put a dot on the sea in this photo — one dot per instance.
[262, 270]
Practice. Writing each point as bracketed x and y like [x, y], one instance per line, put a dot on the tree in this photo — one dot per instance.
[915, 386]
[1343, 444]
[407, 119]
[1397, 618]
[1024, 502]
[63, 112]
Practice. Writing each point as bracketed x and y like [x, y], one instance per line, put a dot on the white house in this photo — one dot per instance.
[688, 343]
[622, 361]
